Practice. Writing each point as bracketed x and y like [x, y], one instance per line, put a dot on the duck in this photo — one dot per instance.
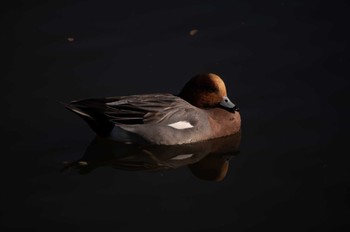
[201, 111]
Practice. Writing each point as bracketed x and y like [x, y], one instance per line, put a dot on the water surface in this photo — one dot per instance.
[284, 64]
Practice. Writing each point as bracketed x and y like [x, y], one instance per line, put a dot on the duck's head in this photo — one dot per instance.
[207, 91]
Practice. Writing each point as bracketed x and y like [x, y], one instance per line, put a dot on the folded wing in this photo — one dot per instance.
[102, 114]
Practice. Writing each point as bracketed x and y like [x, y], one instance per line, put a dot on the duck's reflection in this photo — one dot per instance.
[207, 160]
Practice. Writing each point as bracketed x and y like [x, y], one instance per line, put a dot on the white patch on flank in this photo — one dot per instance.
[180, 125]
[182, 157]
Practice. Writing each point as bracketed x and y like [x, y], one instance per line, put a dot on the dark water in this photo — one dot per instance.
[285, 63]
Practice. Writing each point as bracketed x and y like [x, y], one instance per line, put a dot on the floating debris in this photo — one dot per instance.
[193, 32]
[70, 39]
[82, 163]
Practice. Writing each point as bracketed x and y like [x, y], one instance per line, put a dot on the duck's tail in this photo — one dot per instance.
[93, 116]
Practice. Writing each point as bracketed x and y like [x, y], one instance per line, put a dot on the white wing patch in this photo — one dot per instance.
[180, 125]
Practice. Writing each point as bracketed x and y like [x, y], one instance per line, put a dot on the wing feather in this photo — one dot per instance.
[137, 109]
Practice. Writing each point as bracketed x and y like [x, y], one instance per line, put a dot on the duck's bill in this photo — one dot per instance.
[227, 104]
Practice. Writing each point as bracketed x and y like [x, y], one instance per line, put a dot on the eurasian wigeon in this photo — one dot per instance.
[201, 111]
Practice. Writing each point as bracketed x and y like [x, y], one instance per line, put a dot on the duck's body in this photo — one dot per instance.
[164, 118]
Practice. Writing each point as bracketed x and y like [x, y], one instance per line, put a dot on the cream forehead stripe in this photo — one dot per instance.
[221, 85]
[181, 125]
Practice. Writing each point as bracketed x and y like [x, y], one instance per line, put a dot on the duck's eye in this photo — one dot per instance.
[210, 89]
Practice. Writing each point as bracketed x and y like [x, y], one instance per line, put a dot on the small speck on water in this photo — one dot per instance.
[70, 39]
[193, 32]
[82, 163]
